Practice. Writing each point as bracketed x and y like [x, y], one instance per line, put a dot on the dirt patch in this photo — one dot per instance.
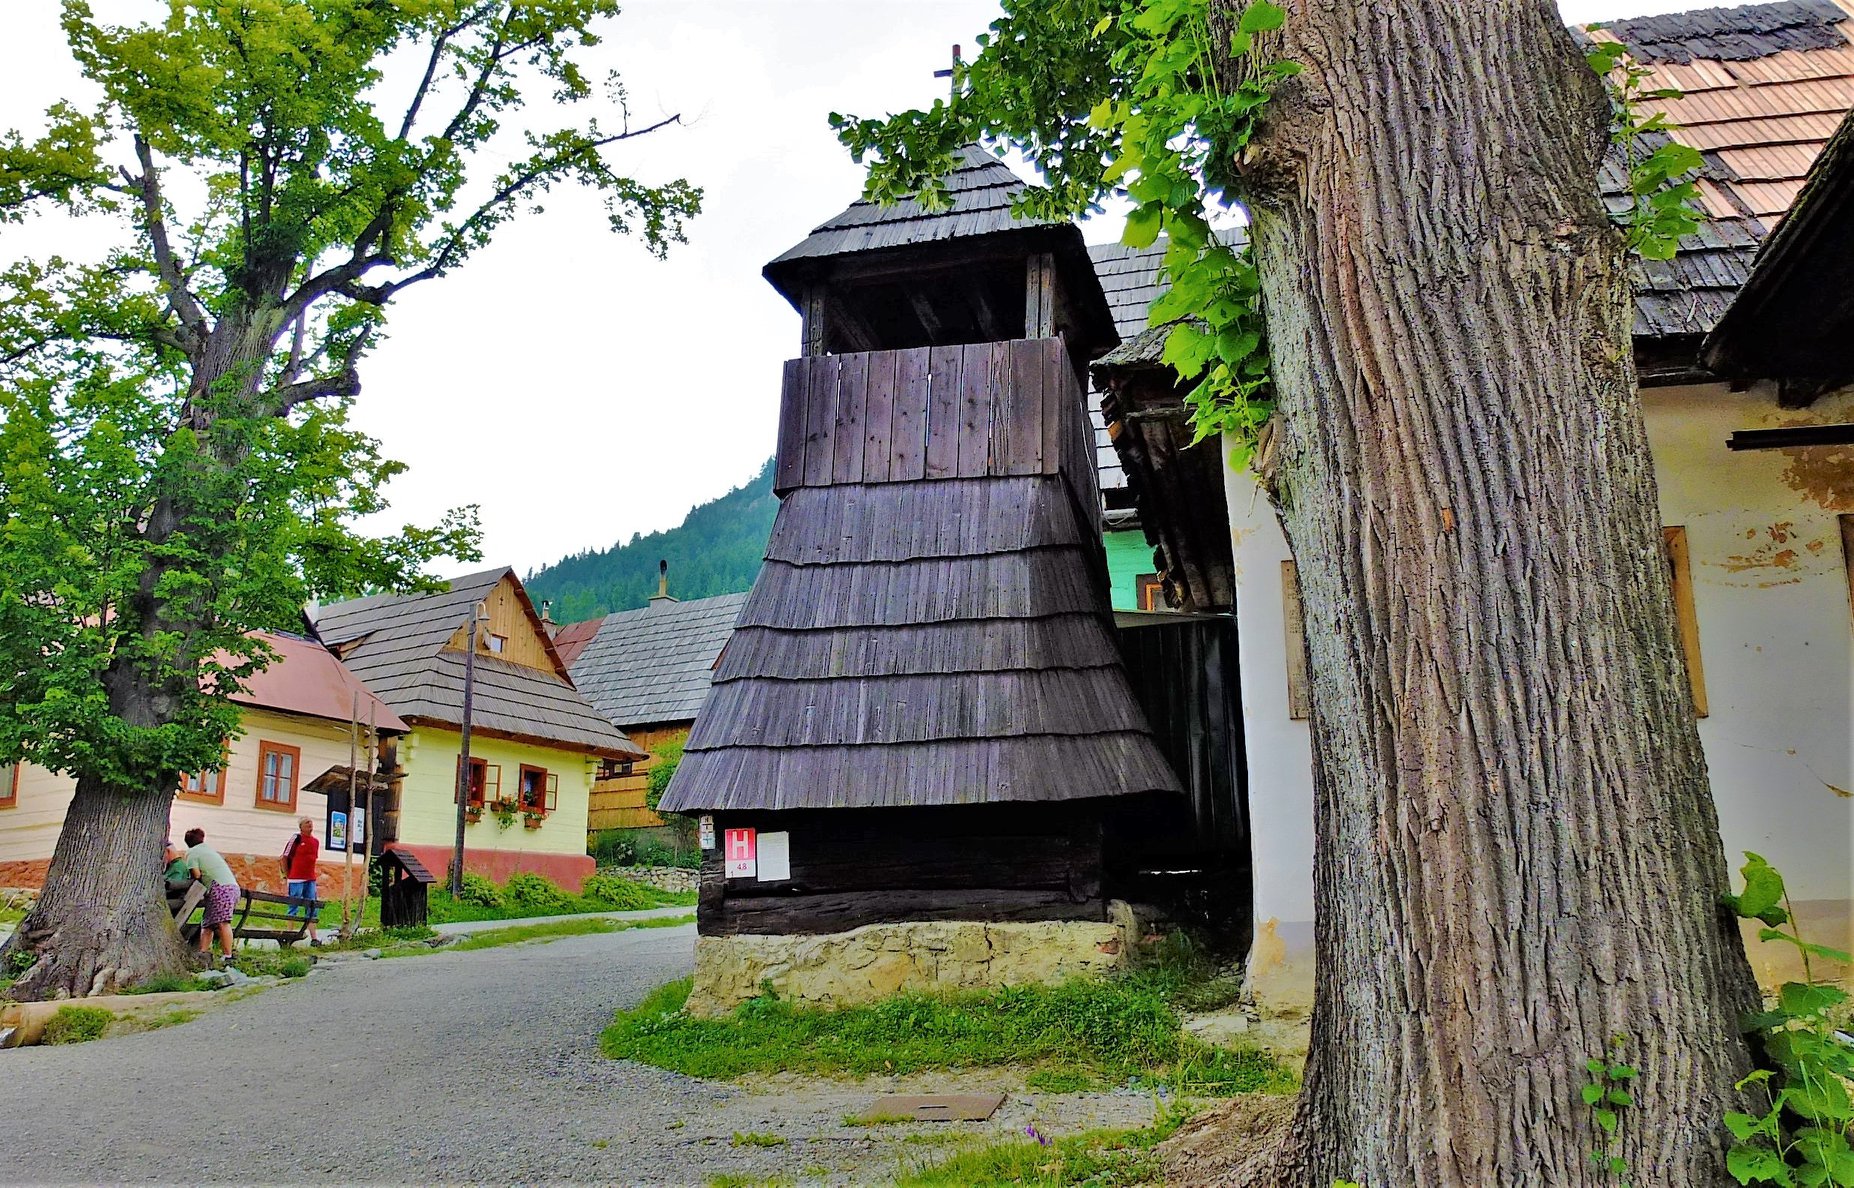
[1231, 1145]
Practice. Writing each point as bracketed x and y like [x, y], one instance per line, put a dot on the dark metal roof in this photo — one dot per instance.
[1731, 34]
[931, 624]
[652, 666]
[396, 643]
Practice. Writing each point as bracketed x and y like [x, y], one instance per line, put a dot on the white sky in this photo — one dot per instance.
[577, 389]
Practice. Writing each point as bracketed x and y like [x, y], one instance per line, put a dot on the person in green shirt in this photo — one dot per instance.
[210, 868]
[177, 877]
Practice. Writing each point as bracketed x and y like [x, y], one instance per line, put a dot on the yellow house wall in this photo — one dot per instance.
[428, 804]
[1772, 602]
[30, 832]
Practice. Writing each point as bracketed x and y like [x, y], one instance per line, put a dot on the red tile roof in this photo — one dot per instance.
[306, 678]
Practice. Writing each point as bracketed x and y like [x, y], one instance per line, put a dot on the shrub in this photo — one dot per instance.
[613, 847]
[617, 894]
[668, 758]
[536, 893]
[77, 1025]
[480, 891]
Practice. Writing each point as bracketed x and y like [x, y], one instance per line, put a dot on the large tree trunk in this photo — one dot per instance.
[101, 923]
[1517, 854]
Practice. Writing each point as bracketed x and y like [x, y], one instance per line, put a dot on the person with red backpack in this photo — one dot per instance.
[299, 859]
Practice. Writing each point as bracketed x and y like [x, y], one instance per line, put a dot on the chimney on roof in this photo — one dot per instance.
[662, 594]
[547, 618]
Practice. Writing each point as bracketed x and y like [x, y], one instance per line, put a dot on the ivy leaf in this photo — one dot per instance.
[1807, 998]
[1605, 1119]
[1593, 1094]
[1763, 887]
[1757, 1165]
[1262, 17]
[1143, 226]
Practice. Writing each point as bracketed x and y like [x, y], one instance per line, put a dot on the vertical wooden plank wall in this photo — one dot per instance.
[970, 411]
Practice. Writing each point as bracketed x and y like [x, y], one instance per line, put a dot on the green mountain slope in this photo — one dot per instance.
[715, 550]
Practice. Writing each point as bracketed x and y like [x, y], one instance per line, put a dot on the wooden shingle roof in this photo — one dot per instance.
[931, 624]
[652, 666]
[396, 644]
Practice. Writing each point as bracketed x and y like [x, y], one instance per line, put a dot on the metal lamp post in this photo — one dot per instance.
[477, 618]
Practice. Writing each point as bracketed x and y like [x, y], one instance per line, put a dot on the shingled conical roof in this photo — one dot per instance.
[931, 625]
[868, 235]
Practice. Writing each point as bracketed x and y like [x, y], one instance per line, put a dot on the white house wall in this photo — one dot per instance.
[1771, 598]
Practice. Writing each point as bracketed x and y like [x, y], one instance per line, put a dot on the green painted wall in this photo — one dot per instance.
[1128, 556]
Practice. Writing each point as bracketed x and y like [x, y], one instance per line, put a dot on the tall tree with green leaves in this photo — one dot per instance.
[176, 467]
[1427, 364]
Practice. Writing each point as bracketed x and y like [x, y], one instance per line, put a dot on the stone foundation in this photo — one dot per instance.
[878, 960]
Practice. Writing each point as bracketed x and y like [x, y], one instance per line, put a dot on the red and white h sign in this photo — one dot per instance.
[741, 854]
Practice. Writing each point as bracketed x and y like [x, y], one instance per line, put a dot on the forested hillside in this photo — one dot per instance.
[715, 550]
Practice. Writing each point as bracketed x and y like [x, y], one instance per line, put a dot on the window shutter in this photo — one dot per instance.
[553, 792]
[492, 781]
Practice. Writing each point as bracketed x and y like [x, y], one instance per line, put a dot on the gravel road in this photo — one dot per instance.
[481, 1067]
[467, 1066]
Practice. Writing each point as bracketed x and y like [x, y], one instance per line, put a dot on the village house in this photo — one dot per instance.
[1750, 443]
[647, 671]
[295, 726]
[535, 746]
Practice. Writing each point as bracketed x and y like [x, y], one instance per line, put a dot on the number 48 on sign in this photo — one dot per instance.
[740, 854]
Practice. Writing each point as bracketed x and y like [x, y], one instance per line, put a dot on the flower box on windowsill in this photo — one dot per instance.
[473, 814]
[533, 820]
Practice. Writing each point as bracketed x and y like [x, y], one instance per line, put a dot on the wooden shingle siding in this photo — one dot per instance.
[1010, 585]
[919, 707]
[970, 517]
[943, 772]
[1059, 641]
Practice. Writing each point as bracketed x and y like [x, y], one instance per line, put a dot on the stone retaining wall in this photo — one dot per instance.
[663, 878]
[878, 960]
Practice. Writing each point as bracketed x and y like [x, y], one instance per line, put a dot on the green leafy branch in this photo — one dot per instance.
[1663, 190]
[1181, 129]
[1607, 1094]
[1803, 1137]
[1150, 101]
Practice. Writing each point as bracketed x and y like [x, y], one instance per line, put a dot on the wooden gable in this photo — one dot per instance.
[514, 632]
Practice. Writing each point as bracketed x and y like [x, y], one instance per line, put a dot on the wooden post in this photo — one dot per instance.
[1040, 296]
[812, 330]
[347, 857]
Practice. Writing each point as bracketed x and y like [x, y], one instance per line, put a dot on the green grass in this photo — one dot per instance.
[168, 984]
[754, 1138]
[522, 933]
[1098, 1159]
[736, 1180]
[1062, 1080]
[1110, 1030]
[603, 893]
[272, 963]
[76, 1025]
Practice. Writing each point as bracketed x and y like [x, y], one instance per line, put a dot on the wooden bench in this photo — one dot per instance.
[271, 913]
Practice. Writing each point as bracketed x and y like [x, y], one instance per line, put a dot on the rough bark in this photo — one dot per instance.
[1517, 854]
[100, 923]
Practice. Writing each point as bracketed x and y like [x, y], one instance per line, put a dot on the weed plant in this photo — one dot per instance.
[76, 1025]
